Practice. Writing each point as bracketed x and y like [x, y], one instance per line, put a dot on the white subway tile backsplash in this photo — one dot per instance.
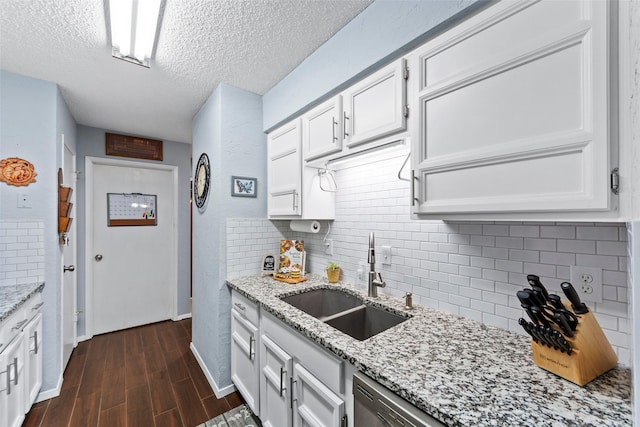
[473, 269]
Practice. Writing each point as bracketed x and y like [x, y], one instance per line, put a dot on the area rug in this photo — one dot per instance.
[237, 417]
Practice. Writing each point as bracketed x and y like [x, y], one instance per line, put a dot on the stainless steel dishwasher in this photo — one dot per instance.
[376, 406]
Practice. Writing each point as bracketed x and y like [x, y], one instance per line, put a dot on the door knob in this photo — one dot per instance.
[68, 268]
[98, 257]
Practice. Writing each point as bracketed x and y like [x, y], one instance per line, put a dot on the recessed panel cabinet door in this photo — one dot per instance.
[512, 112]
[33, 360]
[12, 393]
[314, 403]
[376, 106]
[275, 384]
[285, 171]
[322, 130]
[245, 359]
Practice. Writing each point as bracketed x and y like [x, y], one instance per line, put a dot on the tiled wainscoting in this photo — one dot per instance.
[21, 252]
[473, 269]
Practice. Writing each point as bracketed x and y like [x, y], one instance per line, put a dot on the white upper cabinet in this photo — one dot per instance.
[376, 106]
[322, 130]
[512, 115]
[285, 170]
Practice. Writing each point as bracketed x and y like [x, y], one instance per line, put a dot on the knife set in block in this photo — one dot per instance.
[566, 338]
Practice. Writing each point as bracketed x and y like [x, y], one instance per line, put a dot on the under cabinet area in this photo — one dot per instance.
[512, 113]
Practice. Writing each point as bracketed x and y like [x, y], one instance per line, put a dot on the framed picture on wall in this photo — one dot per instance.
[242, 186]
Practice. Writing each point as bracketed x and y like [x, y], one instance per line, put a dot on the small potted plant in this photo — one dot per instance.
[333, 272]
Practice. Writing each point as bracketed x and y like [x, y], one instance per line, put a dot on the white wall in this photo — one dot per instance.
[33, 118]
[472, 269]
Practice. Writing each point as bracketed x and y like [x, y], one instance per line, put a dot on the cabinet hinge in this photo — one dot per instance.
[615, 181]
[405, 73]
[344, 422]
[405, 110]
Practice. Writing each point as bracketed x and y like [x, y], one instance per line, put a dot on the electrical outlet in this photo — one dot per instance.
[587, 282]
[328, 247]
[24, 200]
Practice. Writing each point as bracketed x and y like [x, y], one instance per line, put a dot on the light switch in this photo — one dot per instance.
[24, 200]
[385, 251]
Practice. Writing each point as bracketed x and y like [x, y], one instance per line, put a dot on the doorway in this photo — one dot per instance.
[69, 282]
[132, 269]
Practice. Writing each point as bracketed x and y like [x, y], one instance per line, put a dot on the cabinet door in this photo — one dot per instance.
[275, 384]
[12, 383]
[244, 361]
[321, 129]
[512, 112]
[33, 360]
[376, 106]
[285, 170]
[314, 403]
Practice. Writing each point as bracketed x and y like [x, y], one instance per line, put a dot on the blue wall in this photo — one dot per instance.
[228, 128]
[91, 143]
[382, 32]
[33, 118]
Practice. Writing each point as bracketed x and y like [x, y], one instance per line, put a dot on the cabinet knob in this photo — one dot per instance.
[68, 268]
[98, 257]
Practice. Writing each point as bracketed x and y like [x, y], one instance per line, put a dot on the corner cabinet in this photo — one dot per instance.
[284, 170]
[512, 115]
[295, 191]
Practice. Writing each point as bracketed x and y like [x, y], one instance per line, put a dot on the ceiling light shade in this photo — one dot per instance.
[134, 25]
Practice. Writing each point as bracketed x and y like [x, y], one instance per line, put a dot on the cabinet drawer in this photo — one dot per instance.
[244, 307]
[33, 306]
[12, 326]
[322, 364]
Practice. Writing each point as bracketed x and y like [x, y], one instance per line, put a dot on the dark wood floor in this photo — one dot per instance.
[140, 377]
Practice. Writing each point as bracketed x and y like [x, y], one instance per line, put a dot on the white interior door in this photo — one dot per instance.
[133, 268]
[69, 283]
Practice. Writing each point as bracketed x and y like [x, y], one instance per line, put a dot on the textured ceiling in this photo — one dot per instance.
[250, 44]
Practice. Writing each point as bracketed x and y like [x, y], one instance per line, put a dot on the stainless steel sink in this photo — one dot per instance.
[365, 322]
[345, 312]
[323, 303]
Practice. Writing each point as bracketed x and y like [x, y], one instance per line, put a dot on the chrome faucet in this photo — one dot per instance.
[375, 279]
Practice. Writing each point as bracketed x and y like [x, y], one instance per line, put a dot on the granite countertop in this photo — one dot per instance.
[455, 369]
[13, 296]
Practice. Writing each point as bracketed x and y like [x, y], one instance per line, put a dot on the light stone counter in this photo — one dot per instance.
[13, 296]
[458, 370]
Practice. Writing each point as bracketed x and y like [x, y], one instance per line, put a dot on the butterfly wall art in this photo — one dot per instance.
[244, 187]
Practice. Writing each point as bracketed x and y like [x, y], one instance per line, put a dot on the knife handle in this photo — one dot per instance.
[527, 328]
[540, 317]
[578, 306]
[535, 283]
[556, 301]
[561, 321]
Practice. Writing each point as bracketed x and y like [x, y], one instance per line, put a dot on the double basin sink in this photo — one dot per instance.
[344, 312]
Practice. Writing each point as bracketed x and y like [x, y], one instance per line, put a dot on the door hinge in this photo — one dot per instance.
[405, 110]
[615, 181]
[344, 422]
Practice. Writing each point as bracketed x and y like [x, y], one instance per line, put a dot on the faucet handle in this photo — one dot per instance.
[380, 283]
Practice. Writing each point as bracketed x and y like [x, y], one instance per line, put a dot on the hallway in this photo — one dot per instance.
[139, 377]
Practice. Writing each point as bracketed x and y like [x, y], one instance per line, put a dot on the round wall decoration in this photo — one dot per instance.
[202, 181]
[18, 172]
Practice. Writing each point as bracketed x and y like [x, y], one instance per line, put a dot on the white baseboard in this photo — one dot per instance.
[219, 392]
[51, 393]
[182, 317]
[84, 338]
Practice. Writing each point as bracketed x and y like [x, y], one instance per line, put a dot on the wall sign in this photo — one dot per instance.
[132, 146]
[131, 209]
[18, 172]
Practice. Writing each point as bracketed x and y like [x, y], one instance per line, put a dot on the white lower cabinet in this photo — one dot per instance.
[314, 404]
[12, 385]
[275, 384]
[245, 363]
[32, 334]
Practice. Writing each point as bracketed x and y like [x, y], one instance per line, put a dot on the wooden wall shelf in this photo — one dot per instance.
[64, 205]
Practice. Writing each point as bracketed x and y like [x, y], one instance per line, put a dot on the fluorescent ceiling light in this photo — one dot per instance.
[134, 24]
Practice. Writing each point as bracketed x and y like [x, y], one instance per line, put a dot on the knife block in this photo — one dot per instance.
[591, 357]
